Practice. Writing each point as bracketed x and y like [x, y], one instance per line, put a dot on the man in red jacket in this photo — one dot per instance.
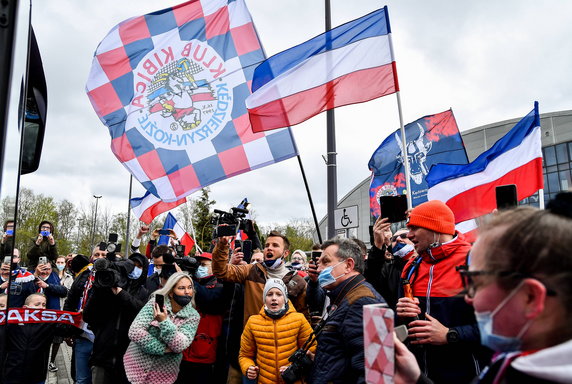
[443, 323]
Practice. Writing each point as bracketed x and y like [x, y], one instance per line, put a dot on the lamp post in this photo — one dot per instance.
[79, 222]
[94, 221]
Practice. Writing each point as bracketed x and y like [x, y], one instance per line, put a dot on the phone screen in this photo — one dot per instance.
[247, 250]
[315, 256]
[160, 300]
[506, 196]
[393, 207]
[164, 232]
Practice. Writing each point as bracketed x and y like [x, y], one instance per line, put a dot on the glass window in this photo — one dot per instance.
[570, 147]
[549, 156]
[553, 182]
[561, 153]
[565, 181]
[551, 169]
[563, 167]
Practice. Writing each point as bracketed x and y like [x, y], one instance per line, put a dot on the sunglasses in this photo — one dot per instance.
[402, 236]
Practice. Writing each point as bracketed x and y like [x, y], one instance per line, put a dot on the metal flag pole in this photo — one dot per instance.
[127, 245]
[310, 199]
[331, 143]
[402, 130]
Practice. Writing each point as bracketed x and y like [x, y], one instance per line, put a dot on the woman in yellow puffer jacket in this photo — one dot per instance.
[272, 336]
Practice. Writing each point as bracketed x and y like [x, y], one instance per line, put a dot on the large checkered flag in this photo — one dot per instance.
[171, 85]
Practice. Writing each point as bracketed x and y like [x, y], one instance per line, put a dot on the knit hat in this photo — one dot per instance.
[275, 283]
[433, 215]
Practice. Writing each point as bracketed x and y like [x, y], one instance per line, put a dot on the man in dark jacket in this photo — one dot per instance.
[447, 329]
[154, 281]
[109, 312]
[44, 245]
[340, 353]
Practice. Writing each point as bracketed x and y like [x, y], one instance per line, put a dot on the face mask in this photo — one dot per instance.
[273, 264]
[182, 300]
[402, 249]
[158, 270]
[60, 267]
[202, 271]
[326, 278]
[276, 314]
[497, 342]
[136, 273]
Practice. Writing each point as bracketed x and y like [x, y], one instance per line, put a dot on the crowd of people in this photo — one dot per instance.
[496, 311]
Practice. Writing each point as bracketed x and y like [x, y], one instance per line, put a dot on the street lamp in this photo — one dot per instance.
[94, 221]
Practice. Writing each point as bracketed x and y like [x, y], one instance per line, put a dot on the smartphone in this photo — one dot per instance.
[160, 300]
[9, 232]
[45, 233]
[506, 196]
[393, 208]
[164, 232]
[371, 239]
[43, 260]
[247, 250]
[7, 260]
[238, 244]
[225, 230]
[315, 256]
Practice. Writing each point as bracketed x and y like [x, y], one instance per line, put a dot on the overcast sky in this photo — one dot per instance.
[488, 60]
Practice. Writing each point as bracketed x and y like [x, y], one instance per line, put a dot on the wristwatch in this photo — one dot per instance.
[452, 336]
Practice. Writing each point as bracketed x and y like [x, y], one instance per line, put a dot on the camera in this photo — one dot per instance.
[300, 366]
[180, 250]
[188, 263]
[235, 220]
[112, 247]
[109, 274]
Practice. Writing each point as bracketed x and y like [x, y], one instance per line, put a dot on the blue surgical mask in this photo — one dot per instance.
[60, 267]
[497, 342]
[136, 273]
[202, 271]
[326, 278]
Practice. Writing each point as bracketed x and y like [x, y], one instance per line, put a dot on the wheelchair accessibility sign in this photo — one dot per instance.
[346, 217]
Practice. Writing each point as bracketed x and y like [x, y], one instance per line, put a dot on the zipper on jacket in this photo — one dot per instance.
[275, 351]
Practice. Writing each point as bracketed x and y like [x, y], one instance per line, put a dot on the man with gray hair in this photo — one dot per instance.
[340, 353]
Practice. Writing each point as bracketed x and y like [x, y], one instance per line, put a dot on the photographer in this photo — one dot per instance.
[154, 280]
[340, 352]
[118, 295]
[22, 283]
[272, 336]
[48, 283]
[44, 245]
[7, 240]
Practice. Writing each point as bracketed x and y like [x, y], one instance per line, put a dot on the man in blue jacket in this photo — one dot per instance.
[340, 353]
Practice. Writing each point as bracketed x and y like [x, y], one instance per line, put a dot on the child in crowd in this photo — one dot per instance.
[272, 336]
[28, 347]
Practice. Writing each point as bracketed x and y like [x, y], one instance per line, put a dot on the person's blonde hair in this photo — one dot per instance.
[172, 282]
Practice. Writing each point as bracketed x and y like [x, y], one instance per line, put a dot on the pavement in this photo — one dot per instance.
[63, 362]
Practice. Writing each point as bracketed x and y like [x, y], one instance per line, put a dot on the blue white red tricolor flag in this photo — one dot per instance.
[430, 140]
[171, 86]
[184, 238]
[149, 206]
[349, 64]
[516, 158]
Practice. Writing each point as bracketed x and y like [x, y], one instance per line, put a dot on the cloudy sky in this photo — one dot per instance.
[488, 60]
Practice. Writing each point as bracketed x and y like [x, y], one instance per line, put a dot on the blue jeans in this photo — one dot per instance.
[82, 349]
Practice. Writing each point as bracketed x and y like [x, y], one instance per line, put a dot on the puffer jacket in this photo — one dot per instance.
[254, 276]
[268, 343]
[438, 286]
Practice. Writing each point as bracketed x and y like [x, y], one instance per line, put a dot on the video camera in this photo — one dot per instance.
[109, 271]
[233, 221]
[186, 263]
[300, 367]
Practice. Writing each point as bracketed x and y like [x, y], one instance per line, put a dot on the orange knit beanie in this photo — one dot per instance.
[433, 215]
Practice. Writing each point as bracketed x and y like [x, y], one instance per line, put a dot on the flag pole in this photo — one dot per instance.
[541, 198]
[127, 245]
[310, 199]
[402, 129]
[331, 144]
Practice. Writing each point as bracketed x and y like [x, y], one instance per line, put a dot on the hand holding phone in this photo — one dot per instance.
[160, 300]
[393, 207]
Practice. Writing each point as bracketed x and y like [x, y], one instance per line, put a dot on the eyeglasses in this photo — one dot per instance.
[471, 286]
[402, 236]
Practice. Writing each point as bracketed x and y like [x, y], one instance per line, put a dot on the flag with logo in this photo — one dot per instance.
[516, 158]
[171, 85]
[349, 64]
[429, 140]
